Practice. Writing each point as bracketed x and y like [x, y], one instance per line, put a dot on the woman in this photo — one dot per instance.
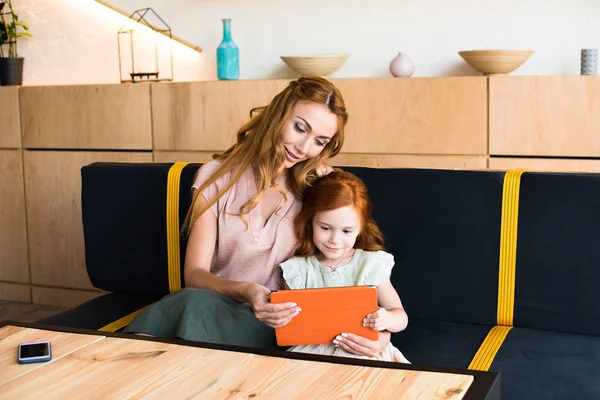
[240, 224]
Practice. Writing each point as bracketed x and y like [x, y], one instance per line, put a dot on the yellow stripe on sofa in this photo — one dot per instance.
[122, 322]
[508, 247]
[173, 228]
[506, 272]
[487, 351]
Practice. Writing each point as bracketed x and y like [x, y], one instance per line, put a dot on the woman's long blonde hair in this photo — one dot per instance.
[258, 146]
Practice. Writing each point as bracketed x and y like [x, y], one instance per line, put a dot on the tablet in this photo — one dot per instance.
[326, 312]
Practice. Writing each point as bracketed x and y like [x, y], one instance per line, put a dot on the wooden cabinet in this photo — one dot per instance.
[394, 116]
[10, 124]
[14, 263]
[206, 115]
[189, 156]
[410, 161]
[545, 164]
[15, 292]
[87, 117]
[433, 116]
[545, 116]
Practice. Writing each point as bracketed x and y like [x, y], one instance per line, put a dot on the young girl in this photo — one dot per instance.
[340, 245]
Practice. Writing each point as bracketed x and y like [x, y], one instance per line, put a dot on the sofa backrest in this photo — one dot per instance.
[558, 254]
[442, 226]
[124, 222]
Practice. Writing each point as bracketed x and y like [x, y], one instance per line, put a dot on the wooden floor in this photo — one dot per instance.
[26, 312]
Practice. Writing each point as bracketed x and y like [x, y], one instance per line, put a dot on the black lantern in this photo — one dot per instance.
[145, 48]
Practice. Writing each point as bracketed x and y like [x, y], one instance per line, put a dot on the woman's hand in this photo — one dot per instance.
[378, 320]
[273, 315]
[362, 346]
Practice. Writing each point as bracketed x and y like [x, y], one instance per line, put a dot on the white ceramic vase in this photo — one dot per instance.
[402, 66]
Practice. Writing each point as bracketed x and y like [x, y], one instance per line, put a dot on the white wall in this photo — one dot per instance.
[75, 40]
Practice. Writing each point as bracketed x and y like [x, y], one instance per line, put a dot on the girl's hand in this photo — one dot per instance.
[323, 170]
[273, 315]
[377, 320]
[362, 346]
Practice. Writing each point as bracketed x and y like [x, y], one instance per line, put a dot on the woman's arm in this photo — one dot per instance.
[200, 250]
[199, 254]
[391, 316]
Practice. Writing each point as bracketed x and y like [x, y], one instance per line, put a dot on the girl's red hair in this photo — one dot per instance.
[335, 190]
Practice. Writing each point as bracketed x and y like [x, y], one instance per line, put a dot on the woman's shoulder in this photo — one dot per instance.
[212, 165]
[207, 170]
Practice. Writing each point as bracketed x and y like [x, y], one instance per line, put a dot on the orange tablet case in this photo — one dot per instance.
[326, 313]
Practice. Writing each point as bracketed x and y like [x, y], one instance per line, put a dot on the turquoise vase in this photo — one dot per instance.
[228, 55]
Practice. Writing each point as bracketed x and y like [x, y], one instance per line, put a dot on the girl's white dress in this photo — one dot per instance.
[365, 268]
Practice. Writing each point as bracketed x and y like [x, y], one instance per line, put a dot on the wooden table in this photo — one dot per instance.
[97, 365]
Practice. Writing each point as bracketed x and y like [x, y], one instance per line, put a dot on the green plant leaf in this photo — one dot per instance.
[11, 28]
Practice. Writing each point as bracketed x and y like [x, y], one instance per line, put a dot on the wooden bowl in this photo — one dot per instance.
[316, 65]
[495, 62]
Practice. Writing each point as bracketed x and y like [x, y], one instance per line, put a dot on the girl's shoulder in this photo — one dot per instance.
[295, 271]
[373, 267]
[378, 257]
[296, 263]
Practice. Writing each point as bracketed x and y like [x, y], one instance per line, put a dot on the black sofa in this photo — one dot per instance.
[496, 270]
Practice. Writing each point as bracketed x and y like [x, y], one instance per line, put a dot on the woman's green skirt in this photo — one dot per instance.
[204, 316]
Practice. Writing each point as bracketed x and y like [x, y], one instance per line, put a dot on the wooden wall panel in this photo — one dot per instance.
[545, 164]
[206, 115]
[62, 297]
[410, 116]
[14, 262]
[545, 115]
[87, 117]
[53, 186]
[190, 156]
[10, 124]
[368, 160]
[15, 292]
[416, 116]
[410, 161]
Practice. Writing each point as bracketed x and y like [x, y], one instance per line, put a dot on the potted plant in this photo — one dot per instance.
[11, 65]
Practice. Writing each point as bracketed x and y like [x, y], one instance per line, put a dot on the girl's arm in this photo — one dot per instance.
[391, 316]
[199, 254]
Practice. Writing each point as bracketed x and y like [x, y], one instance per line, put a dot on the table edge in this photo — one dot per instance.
[485, 386]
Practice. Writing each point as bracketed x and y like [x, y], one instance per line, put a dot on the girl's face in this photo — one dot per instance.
[309, 128]
[335, 232]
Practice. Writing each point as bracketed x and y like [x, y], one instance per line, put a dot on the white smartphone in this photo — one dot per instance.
[33, 352]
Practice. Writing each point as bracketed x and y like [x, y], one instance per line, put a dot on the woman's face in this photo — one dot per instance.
[310, 127]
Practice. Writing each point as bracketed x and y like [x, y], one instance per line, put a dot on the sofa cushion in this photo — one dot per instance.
[537, 364]
[445, 344]
[101, 311]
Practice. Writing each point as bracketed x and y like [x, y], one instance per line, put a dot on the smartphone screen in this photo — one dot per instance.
[34, 350]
